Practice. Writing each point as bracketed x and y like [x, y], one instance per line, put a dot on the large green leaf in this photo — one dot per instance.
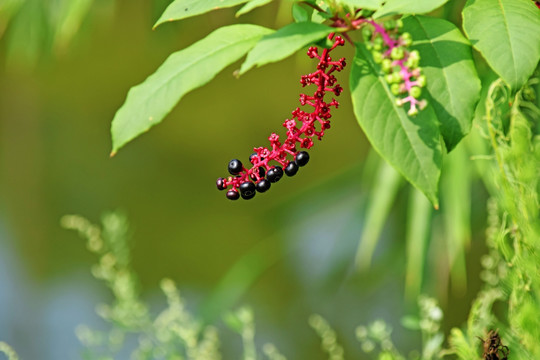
[452, 81]
[284, 42]
[148, 103]
[411, 144]
[181, 9]
[393, 7]
[507, 33]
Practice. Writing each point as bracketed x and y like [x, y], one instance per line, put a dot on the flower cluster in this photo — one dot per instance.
[389, 49]
[269, 164]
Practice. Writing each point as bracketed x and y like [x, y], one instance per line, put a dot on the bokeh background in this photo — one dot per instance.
[288, 253]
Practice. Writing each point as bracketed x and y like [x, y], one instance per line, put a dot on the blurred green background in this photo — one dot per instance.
[291, 250]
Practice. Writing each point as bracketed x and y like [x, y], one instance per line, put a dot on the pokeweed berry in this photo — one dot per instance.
[220, 183]
[233, 195]
[302, 158]
[274, 174]
[291, 169]
[235, 167]
[303, 126]
[263, 185]
[247, 190]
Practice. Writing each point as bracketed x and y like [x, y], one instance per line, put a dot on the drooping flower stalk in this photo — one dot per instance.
[268, 164]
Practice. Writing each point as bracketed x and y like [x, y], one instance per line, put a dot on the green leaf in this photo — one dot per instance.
[362, 4]
[149, 102]
[181, 9]
[394, 7]
[284, 42]
[410, 144]
[452, 82]
[252, 4]
[507, 33]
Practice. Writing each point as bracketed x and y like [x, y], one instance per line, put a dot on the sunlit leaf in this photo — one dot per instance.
[507, 33]
[149, 102]
[284, 42]
[411, 144]
[181, 9]
[452, 82]
[394, 7]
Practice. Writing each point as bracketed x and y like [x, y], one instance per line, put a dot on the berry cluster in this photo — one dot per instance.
[389, 49]
[301, 128]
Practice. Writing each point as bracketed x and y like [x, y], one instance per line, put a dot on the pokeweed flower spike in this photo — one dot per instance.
[268, 165]
[402, 73]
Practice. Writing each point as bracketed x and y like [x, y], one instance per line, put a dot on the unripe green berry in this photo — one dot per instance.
[367, 33]
[386, 65]
[397, 77]
[399, 23]
[389, 78]
[397, 53]
[421, 81]
[413, 112]
[415, 92]
[389, 24]
[377, 47]
[414, 55]
[395, 89]
[411, 63]
[377, 56]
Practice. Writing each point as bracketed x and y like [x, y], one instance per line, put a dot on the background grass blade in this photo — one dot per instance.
[417, 238]
[379, 204]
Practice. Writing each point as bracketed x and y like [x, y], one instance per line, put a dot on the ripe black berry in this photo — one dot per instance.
[291, 169]
[263, 185]
[247, 190]
[220, 183]
[302, 158]
[233, 195]
[274, 174]
[235, 166]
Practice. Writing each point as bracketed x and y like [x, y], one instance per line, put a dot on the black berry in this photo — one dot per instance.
[274, 174]
[291, 169]
[233, 195]
[235, 166]
[263, 185]
[302, 158]
[220, 183]
[247, 190]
